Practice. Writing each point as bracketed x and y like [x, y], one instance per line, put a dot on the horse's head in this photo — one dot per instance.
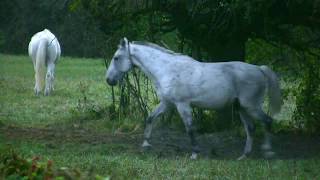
[120, 63]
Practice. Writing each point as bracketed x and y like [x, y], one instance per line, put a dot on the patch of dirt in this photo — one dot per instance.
[171, 143]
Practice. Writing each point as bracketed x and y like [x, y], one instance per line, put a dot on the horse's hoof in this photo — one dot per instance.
[46, 93]
[269, 154]
[194, 156]
[266, 147]
[146, 145]
[242, 157]
[36, 91]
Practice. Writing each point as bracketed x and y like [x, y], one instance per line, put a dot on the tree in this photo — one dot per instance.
[77, 31]
[219, 29]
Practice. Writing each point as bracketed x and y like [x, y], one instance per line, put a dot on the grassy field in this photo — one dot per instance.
[57, 128]
[19, 106]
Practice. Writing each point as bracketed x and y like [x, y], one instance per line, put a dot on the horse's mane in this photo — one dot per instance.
[155, 46]
[162, 49]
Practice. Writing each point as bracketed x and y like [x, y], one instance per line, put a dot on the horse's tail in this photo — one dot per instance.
[274, 93]
[40, 62]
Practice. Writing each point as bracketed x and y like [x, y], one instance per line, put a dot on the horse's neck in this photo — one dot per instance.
[151, 61]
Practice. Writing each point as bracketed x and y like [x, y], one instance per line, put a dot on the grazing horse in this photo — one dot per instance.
[183, 82]
[44, 50]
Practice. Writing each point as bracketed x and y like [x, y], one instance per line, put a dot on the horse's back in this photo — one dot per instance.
[217, 84]
[249, 82]
[53, 46]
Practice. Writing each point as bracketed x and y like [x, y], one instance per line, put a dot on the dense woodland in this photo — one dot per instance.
[282, 34]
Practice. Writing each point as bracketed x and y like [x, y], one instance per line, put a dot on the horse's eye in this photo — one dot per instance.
[116, 58]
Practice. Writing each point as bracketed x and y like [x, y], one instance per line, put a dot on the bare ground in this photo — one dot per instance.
[171, 143]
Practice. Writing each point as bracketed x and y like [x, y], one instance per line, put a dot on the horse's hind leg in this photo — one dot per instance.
[185, 112]
[267, 121]
[52, 67]
[149, 122]
[49, 79]
[249, 128]
[37, 88]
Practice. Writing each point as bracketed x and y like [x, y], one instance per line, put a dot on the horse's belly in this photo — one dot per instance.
[216, 101]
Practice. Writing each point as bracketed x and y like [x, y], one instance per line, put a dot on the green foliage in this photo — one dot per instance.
[206, 121]
[308, 97]
[87, 108]
[301, 68]
[218, 28]
[13, 166]
[77, 31]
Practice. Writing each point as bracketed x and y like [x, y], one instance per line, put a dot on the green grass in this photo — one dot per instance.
[84, 142]
[108, 159]
[20, 106]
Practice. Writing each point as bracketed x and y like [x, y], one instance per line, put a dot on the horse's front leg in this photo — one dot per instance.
[185, 112]
[161, 108]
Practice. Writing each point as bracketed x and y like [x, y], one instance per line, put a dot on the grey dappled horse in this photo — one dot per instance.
[182, 81]
[44, 50]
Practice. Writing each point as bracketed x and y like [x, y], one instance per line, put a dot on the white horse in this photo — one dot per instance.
[44, 50]
[181, 81]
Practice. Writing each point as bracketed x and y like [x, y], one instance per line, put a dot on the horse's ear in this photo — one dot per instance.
[124, 42]
[125, 39]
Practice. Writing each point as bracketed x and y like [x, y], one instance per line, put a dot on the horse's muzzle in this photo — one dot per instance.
[111, 82]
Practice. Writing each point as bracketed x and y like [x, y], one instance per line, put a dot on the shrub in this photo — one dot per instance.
[13, 166]
[308, 97]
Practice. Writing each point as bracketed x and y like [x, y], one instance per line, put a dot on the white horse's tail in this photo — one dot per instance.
[274, 93]
[40, 62]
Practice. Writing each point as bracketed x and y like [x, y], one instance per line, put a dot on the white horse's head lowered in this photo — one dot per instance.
[44, 50]
[120, 63]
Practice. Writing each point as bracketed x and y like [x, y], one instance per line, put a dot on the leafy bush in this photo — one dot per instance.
[13, 166]
[308, 97]
[87, 108]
